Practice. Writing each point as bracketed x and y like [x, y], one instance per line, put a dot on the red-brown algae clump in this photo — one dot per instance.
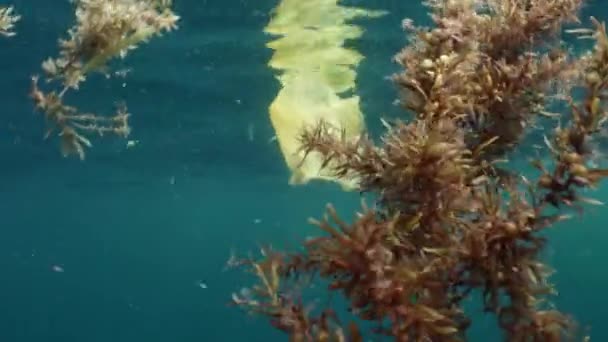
[452, 219]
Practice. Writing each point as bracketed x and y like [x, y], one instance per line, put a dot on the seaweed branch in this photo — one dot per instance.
[104, 29]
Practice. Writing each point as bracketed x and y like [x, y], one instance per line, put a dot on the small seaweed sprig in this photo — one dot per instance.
[104, 29]
[275, 297]
[571, 146]
[7, 21]
[72, 125]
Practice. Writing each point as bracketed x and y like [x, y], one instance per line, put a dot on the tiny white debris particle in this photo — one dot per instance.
[132, 143]
[237, 101]
[257, 221]
[58, 269]
[202, 285]
[122, 73]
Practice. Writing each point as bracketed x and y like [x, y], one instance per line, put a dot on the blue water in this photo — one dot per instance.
[137, 231]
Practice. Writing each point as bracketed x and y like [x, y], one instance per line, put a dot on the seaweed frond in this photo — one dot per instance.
[7, 21]
[72, 126]
[104, 29]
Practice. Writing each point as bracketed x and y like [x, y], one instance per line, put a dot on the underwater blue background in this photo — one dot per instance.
[138, 230]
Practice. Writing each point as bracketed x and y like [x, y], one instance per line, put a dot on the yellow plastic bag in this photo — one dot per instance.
[315, 69]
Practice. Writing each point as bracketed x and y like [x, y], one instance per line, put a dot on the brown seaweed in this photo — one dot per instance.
[448, 223]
